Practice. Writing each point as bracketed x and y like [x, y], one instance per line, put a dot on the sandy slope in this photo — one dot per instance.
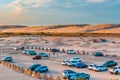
[8, 74]
[101, 28]
[111, 46]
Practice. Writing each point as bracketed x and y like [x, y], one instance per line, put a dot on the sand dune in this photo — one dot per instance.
[101, 28]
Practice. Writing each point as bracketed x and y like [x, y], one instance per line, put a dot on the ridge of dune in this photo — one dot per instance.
[101, 28]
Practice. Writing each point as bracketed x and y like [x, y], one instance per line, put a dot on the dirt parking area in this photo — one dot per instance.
[55, 67]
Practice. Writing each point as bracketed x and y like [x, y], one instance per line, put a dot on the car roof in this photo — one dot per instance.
[7, 57]
[36, 64]
[69, 71]
[71, 50]
[42, 66]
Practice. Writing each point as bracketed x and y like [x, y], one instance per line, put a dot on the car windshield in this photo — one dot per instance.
[36, 65]
[44, 67]
[41, 53]
[70, 50]
[31, 51]
[70, 71]
[65, 61]
[79, 74]
[98, 52]
[74, 61]
[8, 57]
[81, 63]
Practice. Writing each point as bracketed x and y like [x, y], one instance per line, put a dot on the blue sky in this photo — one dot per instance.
[48, 12]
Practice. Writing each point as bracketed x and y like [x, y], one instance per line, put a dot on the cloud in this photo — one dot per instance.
[95, 1]
[21, 6]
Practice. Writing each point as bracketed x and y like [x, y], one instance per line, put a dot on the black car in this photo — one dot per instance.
[34, 66]
[110, 63]
[54, 50]
[98, 54]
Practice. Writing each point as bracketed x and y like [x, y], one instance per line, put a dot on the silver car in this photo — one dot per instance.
[72, 63]
[115, 70]
[80, 76]
[65, 62]
[100, 68]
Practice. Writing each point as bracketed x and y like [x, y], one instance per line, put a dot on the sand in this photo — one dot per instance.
[111, 46]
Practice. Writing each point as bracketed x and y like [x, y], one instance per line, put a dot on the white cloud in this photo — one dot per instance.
[96, 1]
[20, 6]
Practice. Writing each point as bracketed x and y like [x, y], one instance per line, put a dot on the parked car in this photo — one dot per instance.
[41, 69]
[42, 54]
[76, 59]
[8, 58]
[68, 73]
[65, 62]
[115, 70]
[24, 51]
[98, 54]
[99, 68]
[72, 63]
[91, 66]
[110, 63]
[31, 52]
[71, 52]
[34, 66]
[36, 57]
[81, 65]
[80, 76]
[54, 50]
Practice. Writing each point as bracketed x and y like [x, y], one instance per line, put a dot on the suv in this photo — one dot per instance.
[76, 59]
[110, 63]
[54, 50]
[8, 58]
[42, 54]
[71, 52]
[115, 70]
[41, 69]
[91, 66]
[68, 73]
[34, 66]
[80, 76]
[31, 52]
[72, 63]
[98, 54]
[24, 51]
[65, 62]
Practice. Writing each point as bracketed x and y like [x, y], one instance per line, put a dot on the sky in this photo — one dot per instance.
[50, 12]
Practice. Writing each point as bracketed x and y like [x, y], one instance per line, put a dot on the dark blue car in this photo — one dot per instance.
[41, 69]
[54, 50]
[110, 63]
[42, 54]
[81, 65]
[98, 54]
[34, 66]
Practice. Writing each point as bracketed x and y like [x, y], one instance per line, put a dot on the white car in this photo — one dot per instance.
[100, 68]
[76, 59]
[91, 66]
[115, 70]
[71, 52]
[64, 62]
[72, 63]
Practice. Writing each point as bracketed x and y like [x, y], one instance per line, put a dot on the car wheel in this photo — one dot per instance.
[64, 77]
[46, 70]
[116, 72]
